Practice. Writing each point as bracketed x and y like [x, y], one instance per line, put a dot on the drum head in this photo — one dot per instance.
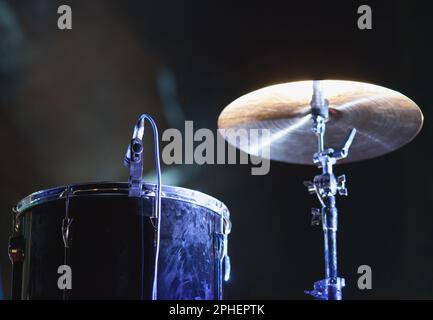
[121, 189]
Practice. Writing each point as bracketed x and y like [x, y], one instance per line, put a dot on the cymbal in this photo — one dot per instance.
[385, 120]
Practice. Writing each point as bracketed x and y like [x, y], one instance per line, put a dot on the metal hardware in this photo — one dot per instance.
[135, 163]
[227, 227]
[310, 186]
[326, 186]
[321, 288]
[223, 228]
[316, 216]
[134, 160]
[227, 266]
[16, 249]
[66, 231]
[341, 185]
[67, 221]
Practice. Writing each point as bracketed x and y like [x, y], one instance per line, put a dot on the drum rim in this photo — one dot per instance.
[121, 188]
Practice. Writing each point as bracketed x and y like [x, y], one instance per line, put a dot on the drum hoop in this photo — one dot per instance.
[121, 189]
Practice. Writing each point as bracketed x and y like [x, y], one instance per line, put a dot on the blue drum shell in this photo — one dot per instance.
[108, 235]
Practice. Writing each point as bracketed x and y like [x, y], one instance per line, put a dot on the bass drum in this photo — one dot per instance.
[93, 241]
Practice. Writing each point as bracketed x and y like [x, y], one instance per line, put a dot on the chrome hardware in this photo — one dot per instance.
[316, 216]
[341, 185]
[16, 249]
[227, 268]
[321, 288]
[67, 221]
[310, 186]
[66, 231]
[134, 160]
[326, 186]
[223, 229]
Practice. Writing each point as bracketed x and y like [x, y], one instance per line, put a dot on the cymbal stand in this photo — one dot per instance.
[326, 186]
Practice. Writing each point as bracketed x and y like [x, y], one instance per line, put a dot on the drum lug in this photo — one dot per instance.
[223, 229]
[16, 249]
[16, 220]
[227, 267]
[66, 231]
[16, 241]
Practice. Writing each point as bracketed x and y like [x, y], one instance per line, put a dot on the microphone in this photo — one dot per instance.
[136, 144]
[134, 161]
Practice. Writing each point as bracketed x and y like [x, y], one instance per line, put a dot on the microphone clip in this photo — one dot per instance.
[134, 160]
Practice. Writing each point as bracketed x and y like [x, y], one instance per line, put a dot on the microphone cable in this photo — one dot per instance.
[138, 134]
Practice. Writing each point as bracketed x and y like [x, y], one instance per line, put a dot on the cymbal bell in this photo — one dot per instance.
[385, 119]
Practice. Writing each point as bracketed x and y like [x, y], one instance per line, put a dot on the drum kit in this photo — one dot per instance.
[138, 240]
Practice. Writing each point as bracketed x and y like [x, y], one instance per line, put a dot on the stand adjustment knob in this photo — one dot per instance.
[316, 216]
[310, 186]
[341, 185]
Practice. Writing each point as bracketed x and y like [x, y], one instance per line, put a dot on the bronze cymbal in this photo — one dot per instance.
[385, 119]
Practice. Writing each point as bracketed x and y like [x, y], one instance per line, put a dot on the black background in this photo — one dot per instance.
[69, 99]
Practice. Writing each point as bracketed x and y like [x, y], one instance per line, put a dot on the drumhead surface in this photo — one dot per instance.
[121, 189]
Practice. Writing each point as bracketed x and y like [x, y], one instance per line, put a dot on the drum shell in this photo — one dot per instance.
[107, 235]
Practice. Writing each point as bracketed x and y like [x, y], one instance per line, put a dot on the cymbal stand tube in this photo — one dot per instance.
[326, 186]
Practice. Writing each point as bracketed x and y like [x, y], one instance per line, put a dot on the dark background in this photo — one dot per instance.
[69, 99]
